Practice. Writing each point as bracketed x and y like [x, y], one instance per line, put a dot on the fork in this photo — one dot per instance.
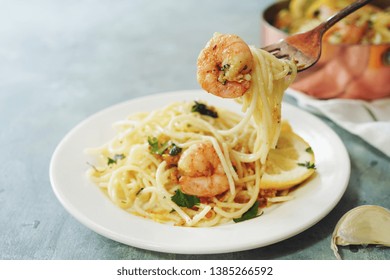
[305, 48]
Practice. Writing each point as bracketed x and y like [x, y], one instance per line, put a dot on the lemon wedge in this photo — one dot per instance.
[290, 163]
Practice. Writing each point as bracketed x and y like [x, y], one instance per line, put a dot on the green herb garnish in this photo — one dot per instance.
[204, 110]
[250, 214]
[110, 161]
[159, 148]
[185, 200]
[225, 67]
[174, 150]
[308, 165]
[156, 147]
[309, 150]
[115, 159]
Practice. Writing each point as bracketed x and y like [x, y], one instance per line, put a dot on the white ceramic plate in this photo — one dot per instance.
[92, 208]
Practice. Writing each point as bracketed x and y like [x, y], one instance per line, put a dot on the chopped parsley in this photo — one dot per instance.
[225, 67]
[156, 147]
[159, 148]
[250, 214]
[185, 200]
[115, 159]
[309, 150]
[204, 110]
[110, 161]
[221, 77]
[308, 165]
[174, 150]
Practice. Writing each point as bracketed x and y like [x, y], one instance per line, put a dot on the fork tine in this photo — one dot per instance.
[272, 48]
[281, 55]
[278, 50]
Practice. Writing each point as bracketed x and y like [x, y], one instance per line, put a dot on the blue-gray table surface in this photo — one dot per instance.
[61, 61]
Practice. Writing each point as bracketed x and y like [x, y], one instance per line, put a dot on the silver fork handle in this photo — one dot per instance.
[341, 14]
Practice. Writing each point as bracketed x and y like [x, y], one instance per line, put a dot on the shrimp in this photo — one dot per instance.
[224, 66]
[201, 171]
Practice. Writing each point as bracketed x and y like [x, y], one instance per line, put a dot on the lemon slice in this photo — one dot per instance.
[290, 163]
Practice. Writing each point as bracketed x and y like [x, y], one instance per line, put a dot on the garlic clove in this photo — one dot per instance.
[363, 225]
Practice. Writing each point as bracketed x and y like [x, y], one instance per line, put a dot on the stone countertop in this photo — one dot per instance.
[62, 61]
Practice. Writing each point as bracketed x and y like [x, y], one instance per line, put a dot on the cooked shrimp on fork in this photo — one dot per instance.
[225, 65]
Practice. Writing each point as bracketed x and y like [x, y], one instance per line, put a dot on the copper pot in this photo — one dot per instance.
[359, 71]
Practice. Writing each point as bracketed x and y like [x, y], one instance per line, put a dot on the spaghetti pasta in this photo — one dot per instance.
[139, 169]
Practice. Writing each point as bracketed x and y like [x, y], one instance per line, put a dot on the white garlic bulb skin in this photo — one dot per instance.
[363, 225]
